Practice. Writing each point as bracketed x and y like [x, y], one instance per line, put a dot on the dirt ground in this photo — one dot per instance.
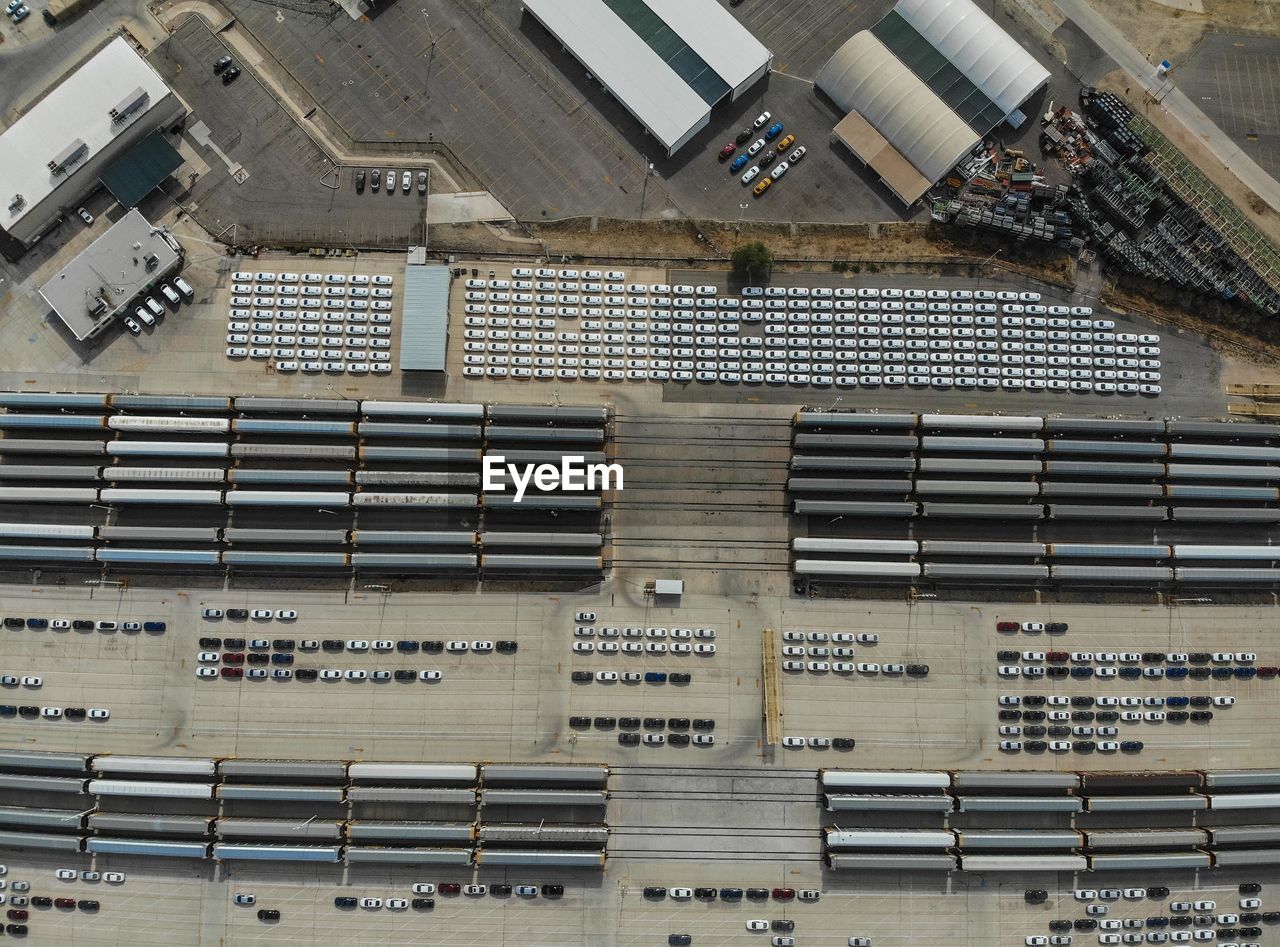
[1161, 32]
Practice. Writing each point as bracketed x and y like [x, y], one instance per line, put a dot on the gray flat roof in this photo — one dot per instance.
[109, 273]
[424, 326]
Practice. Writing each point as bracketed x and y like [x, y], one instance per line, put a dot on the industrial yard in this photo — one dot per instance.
[583, 472]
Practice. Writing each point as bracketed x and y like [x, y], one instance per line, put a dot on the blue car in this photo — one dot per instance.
[739, 162]
[773, 131]
[655, 677]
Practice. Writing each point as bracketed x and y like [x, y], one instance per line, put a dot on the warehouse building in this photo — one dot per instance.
[669, 62]
[113, 271]
[101, 126]
[923, 86]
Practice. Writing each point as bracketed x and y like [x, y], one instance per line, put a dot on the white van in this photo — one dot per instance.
[170, 294]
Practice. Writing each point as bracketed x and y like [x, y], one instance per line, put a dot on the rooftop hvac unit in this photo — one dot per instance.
[129, 104]
[151, 261]
[68, 156]
[17, 203]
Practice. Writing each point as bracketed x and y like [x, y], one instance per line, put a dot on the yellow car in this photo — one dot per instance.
[762, 187]
[786, 143]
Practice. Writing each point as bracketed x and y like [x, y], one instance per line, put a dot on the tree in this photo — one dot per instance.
[752, 260]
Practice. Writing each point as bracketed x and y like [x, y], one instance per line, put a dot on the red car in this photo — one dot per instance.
[728, 150]
[233, 672]
[64, 902]
[450, 887]
[1268, 672]
[784, 894]
[17, 915]
[233, 657]
[1057, 657]
[1007, 626]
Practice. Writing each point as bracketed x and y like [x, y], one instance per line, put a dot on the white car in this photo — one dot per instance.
[474, 889]
[206, 672]
[757, 925]
[794, 743]
[753, 171]
[356, 644]
[286, 614]
[585, 616]
[52, 713]
[66, 874]
[208, 657]
[681, 894]
[396, 904]
[456, 647]
[422, 887]
[429, 675]
[113, 877]
[244, 899]
[372, 903]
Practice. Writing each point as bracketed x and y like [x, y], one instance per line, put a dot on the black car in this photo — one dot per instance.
[1056, 627]
[1181, 920]
[404, 675]
[843, 743]
[1222, 674]
[506, 647]
[678, 739]
[1199, 674]
[1201, 701]
[500, 891]
[783, 924]
[679, 940]
[679, 677]
[332, 645]
[211, 642]
[1271, 917]
[768, 158]
[1130, 673]
[1085, 924]
[654, 723]
[581, 677]
[1036, 746]
[22, 623]
[40, 901]
[307, 674]
[1250, 888]
[552, 891]
[1084, 716]
[235, 644]
[745, 135]
[1035, 896]
[82, 624]
[237, 614]
[283, 644]
[1158, 891]
[1035, 730]
[579, 721]
[26, 710]
[678, 723]
[730, 894]
[1250, 932]
[1059, 730]
[432, 647]
[1250, 917]
[706, 894]
[89, 906]
[408, 647]
[1131, 746]
[422, 904]
[1033, 715]
[1157, 921]
[282, 658]
[257, 657]
[154, 626]
[703, 723]
[629, 738]
[655, 891]
[268, 914]
[918, 670]
[1153, 657]
[75, 713]
[20, 930]
[606, 723]
[360, 181]
[629, 722]
[344, 902]
[1081, 701]
[1057, 671]
[221, 64]
[8, 710]
[1176, 716]
[1061, 924]
[1084, 746]
[1199, 657]
[757, 894]
[1008, 656]
[1034, 700]
[229, 77]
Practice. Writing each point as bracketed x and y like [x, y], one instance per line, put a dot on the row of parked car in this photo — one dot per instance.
[1130, 657]
[837, 637]
[649, 723]
[631, 677]
[83, 624]
[1083, 700]
[235, 671]
[819, 743]
[244, 614]
[359, 645]
[1083, 672]
[635, 647]
[586, 631]
[31, 711]
[848, 667]
[149, 308]
[422, 902]
[1032, 627]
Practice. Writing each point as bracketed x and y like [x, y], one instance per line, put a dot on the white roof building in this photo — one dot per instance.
[52, 156]
[669, 62]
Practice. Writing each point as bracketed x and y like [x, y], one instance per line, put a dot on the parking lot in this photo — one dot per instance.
[1234, 80]
[268, 181]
